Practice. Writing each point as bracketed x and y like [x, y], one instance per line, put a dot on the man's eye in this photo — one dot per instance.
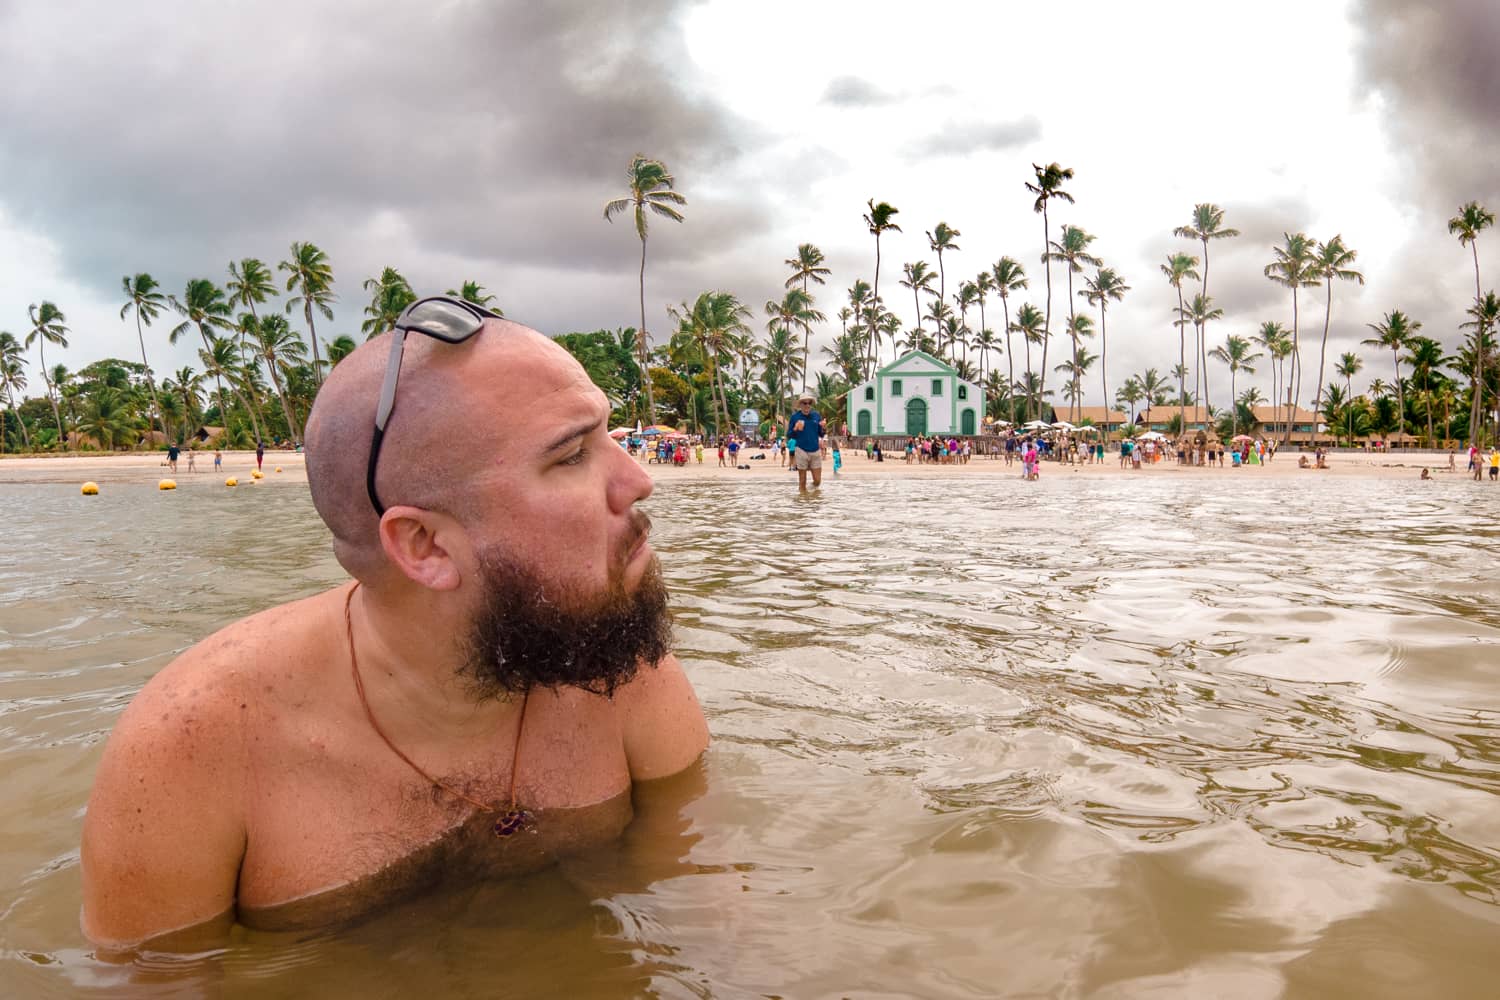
[576, 458]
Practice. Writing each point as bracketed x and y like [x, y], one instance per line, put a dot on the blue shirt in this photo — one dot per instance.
[812, 430]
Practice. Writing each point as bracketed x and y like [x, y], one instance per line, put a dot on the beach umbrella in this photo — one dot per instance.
[1037, 425]
[1150, 436]
[656, 429]
[1242, 438]
[1063, 425]
[1087, 429]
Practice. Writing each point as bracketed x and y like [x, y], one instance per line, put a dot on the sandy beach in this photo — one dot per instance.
[151, 467]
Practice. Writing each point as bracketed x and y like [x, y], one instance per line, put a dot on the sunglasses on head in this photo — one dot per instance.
[452, 321]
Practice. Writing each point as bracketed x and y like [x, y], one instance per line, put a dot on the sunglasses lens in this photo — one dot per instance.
[444, 321]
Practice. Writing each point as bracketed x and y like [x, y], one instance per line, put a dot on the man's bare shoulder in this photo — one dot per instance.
[269, 643]
[661, 721]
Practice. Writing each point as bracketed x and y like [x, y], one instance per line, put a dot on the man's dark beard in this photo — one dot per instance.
[533, 634]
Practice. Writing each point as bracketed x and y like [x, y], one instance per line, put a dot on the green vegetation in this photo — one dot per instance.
[714, 364]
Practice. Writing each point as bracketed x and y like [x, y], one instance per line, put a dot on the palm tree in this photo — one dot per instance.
[13, 380]
[1486, 313]
[918, 278]
[1129, 394]
[339, 348]
[188, 387]
[984, 283]
[650, 188]
[250, 283]
[1076, 369]
[1278, 344]
[219, 361]
[108, 417]
[1332, 261]
[1395, 332]
[1349, 366]
[1049, 182]
[939, 239]
[878, 219]
[967, 296]
[1010, 277]
[1471, 220]
[806, 266]
[1425, 356]
[1199, 312]
[1080, 327]
[1031, 323]
[709, 323]
[280, 348]
[47, 328]
[473, 291]
[1072, 248]
[390, 294]
[141, 295]
[311, 277]
[1098, 290]
[1179, 267]
[1294, 268]
[795, 310]
[781, 362]
[1206, 224]
[204, 307]
[1235, 352]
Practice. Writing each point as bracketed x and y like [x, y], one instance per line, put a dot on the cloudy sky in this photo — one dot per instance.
[480, 140]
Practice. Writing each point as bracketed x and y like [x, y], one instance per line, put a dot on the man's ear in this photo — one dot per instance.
[422, 544]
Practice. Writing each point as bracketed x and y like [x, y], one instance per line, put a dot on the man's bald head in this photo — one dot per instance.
[443, 411]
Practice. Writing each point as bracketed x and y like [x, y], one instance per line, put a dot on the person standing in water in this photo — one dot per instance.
[805, 431]
[260, 453]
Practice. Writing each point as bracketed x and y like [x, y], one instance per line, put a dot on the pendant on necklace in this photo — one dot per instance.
[512, 821]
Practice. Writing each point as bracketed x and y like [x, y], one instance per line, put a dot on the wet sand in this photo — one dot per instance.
[146, 468]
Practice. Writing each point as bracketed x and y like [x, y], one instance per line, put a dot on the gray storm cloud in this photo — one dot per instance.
[174, 138]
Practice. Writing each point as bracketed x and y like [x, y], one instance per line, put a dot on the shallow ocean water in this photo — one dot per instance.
[973, 737]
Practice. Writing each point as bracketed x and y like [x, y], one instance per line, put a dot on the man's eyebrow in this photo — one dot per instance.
[570, 435]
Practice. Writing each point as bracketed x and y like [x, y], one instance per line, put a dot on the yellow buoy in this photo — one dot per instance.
[278, 468]
[231, 481]
[257, 474]
[90, 489]
[167, 484]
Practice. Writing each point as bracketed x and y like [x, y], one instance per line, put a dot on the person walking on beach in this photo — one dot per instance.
[1494, 463]
[172, 453]
[838, 461]
[804, 432]
[192, 460]
[218, 460]
[260, 453]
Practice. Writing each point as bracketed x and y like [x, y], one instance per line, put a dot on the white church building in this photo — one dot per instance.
[916, 394]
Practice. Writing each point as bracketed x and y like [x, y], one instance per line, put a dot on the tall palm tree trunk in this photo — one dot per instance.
[41, 346]
[1400, 398]
[219, 382]
[286, 409]
[1010, 363]
[1476, 406]
[1041, 385]
[1073, 333]
[150, 382]
[1295, 378]
[1182, 365]
[875, 298]
[312, 333]
[1203, 340]
[645, 351]
[1323, 349]
[1104, 363]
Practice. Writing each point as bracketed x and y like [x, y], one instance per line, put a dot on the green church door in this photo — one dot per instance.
[966, 423]
[863, 423]
[916, 416]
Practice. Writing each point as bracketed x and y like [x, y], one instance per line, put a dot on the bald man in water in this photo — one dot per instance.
[477, 703]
